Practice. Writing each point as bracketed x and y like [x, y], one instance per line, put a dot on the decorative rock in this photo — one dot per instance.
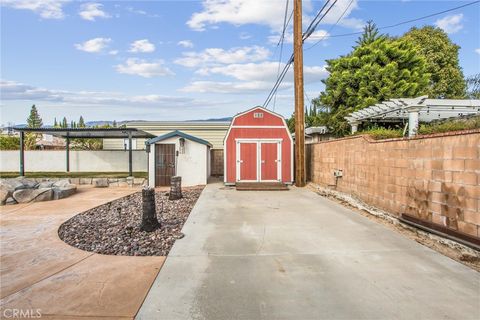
[85, 180]
[75, 180]
[101, 183]
[62, 183]
[35, 195]
[6, 192]
[27, 184]
[63, 192]
[45, 184]
[12, 183]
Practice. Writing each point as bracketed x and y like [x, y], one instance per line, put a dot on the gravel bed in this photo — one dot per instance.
[114, 228]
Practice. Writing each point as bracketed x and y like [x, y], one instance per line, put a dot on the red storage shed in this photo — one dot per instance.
[258, 148]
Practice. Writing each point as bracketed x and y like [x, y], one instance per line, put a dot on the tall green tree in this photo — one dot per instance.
[34, 120]
[55, 123]
[373, 72]
[64, 123]
[441, 55]
[369, 35]
[81, 122]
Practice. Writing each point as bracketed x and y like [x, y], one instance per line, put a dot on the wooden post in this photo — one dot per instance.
[22, 153]
[149, 212]
[300, 177]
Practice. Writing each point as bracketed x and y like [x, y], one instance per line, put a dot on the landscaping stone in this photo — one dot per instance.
[75, 181]
[12, 183]
[6, 191]
[101, 182]
[62, 183]
[64, 192]
[27, 184]
[114, 228]
[45, 184]
[33, 195]
[85, 180]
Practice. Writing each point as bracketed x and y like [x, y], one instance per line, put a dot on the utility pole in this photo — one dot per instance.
[300, 176]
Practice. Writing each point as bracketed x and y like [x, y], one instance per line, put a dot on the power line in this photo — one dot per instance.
[333, 26]
[311, 28]
[399, 23]
[307, 35]
[281, 47]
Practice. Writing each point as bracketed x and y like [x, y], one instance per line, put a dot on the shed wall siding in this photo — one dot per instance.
[192, 165]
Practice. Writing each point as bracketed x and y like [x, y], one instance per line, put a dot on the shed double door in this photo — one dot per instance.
[258, 161]
[164, 164]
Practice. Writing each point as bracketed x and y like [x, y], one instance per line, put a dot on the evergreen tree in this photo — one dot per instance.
[34, 120]
[81, 122]
[441, 55]
[55, 124]
[114, 124]
[64, 123]
[370, 34]
[373, 72]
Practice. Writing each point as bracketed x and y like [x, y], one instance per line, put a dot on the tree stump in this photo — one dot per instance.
[149, 216]
[175, 188]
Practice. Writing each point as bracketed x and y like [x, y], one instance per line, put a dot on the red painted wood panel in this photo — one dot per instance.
[248, 161]
[269, 161]
[248, 119]
[275, 133]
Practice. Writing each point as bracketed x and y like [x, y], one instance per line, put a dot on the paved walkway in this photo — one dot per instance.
[296, 255]
[40, 271]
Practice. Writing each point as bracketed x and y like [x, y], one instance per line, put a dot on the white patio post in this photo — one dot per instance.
[354, 125]
[413, 120]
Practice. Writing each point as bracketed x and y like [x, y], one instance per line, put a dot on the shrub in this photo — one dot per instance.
[383, 133]
[9, 143]
[450, 125]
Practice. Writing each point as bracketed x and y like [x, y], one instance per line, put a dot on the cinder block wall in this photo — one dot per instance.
[435, 178]
[217, 162]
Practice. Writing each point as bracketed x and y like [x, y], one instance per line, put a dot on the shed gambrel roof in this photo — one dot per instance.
[177, 133]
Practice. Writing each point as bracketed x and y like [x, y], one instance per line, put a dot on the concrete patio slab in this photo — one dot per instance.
[40, 271]
[296, 255]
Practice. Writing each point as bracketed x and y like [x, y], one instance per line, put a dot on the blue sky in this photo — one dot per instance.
[183, 60]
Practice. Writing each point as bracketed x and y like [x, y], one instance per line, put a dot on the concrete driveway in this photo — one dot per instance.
[39, 272]
[296, 255]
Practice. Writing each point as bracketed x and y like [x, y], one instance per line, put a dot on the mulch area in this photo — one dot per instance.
[114, 228]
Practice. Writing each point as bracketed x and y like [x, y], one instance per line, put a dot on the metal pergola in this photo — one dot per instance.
[415, 110]
[82, 133]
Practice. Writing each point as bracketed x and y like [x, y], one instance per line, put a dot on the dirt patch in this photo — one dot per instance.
[449, 248]
[114, 228]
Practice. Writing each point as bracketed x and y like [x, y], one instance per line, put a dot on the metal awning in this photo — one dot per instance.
[89, 133]
[82, 133]
[415, 110]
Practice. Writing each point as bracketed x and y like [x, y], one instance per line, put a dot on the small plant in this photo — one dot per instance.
[450, 125]
[379, 133]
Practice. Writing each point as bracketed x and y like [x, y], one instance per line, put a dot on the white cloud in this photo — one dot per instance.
[113, 52]
[144, 68]
[450, 24]
[268, 13]
[221, 56]
[47, 9]
[238, 12]
[95, 45]
[185, 43]
[90, 11]
[477, 50]
[288, 37]
[142, 46]
[12, 90]
[250, 77]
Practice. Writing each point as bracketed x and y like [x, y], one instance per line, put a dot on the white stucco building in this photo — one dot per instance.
[178, 154]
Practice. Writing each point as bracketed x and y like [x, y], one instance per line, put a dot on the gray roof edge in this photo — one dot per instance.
[179, 134]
